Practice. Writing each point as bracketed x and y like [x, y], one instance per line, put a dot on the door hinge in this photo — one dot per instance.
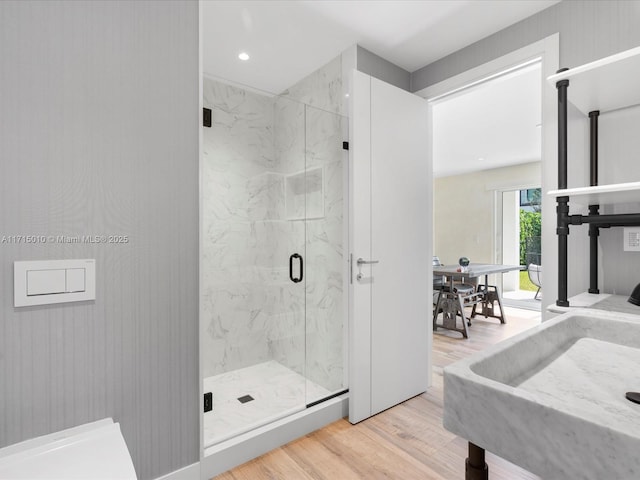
[206, 117]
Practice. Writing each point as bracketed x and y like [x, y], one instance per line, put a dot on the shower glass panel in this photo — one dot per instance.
[272, 260]
[326, 161]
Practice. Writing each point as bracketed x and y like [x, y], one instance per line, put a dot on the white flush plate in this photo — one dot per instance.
[45, 282]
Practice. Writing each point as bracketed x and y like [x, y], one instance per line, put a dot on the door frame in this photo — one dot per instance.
[499, 222]
[547, 52]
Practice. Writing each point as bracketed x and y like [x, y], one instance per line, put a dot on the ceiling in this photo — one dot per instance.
[288, 39]
[491, 125]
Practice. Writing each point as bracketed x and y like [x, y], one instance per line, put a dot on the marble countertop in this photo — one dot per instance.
[551, 399]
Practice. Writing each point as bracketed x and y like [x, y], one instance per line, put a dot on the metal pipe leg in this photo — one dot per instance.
[475, 466]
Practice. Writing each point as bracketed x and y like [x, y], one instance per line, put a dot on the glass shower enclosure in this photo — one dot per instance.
[273, 295]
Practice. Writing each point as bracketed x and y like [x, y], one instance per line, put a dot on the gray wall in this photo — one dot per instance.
[99, 136]
[382, 69]
[588, 30]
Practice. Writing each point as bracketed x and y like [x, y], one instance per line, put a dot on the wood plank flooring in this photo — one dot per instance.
[407, 441]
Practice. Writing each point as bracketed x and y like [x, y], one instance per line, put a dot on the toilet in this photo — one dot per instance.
[94, 450]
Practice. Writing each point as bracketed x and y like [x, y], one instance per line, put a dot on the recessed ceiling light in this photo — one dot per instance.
[244, 56]
[481, 159]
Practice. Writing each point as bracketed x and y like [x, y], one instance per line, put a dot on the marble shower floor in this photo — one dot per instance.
[276, 392]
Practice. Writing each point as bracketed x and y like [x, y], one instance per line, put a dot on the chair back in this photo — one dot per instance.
[535, 272]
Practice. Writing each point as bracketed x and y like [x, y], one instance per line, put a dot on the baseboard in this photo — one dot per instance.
[236, 451]
[190, 472]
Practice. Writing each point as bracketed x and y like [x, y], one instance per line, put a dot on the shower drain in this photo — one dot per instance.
[245, 398]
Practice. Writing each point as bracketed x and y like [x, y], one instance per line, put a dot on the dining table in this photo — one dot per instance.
[483, 298]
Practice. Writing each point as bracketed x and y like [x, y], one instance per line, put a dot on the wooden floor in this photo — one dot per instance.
[407, 441]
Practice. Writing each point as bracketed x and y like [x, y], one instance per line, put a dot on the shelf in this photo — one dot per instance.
[304, 194]
[602, 194]
[582, 300]
[606, 84]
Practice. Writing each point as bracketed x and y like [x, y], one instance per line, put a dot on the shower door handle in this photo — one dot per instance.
[291, 277]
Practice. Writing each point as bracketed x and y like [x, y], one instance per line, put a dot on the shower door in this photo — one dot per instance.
[272, 259]
[253, 253]
[314, 206]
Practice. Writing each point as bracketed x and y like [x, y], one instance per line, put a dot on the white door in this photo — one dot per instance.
[391, 210]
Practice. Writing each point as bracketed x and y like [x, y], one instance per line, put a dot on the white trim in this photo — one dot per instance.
[239, 85]
[190, 472]
[512, 187]
[200, 230]
[479, 81]
[349, 63]
[488, 71]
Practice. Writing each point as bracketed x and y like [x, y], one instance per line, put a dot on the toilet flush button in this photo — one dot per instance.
[75, 280]
[45, 282]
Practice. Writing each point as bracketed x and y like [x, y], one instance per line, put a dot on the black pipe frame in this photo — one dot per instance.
[594, 230]
[594, 219]
[475, 466]
[593, 140]
[606, 221]
[562, 209]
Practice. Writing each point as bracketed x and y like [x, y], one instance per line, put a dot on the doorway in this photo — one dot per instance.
[499, 121]
[472, 234]
[520, 230]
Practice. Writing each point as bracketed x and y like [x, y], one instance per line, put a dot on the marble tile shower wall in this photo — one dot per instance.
[321, 89]
[253, 312]
[240, 195]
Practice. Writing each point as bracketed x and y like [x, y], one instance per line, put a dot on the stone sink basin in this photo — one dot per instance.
[552, 399]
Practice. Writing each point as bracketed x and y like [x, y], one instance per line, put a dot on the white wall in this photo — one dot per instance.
[465, 211]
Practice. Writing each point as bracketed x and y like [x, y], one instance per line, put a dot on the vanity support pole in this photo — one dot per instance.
[593, 150]
[594, 230]
[476, 468]
[562, 209]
